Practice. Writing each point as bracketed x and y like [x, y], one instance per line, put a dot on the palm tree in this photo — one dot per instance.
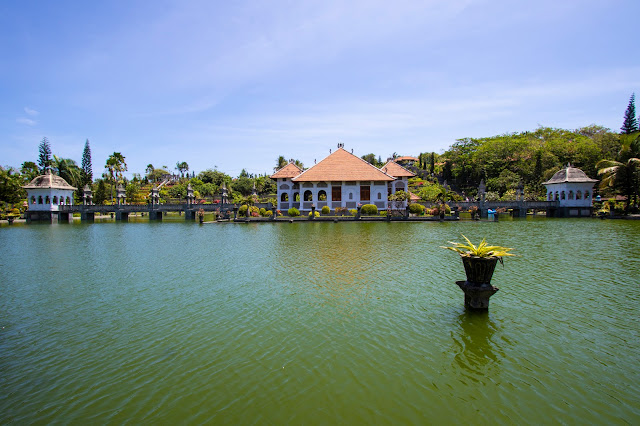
[622, 176]
[68, 170]
[115, 166]
[182, 167]
[281, 162]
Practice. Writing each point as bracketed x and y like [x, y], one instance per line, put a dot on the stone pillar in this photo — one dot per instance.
[155, 215]
[224, 194]
[521, 211]
[155, 196]
[87, 197]
[482, 209]
[121, 195]
[476, 296]
[86, 216]
[63, 217]
[190, 196]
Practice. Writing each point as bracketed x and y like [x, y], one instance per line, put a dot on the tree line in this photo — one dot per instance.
[503, 162]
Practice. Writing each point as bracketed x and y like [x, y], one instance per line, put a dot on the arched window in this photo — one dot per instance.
[557, 196]
[33, 199]
[562, 195]
[571, 195]
[284, 197]
[61, 201]
[48, 200]
[351, 195]
[68, 200]
[586, 194]
[296, 197]
[550, 197]
[40, 199]
[55, 199]
[379, 195]
[579, 195]
[322, 195]
[399, 186]
[308, 195]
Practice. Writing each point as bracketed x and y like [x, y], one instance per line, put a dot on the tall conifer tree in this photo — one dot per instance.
[87, 168]
[630, 123]
[44, 159]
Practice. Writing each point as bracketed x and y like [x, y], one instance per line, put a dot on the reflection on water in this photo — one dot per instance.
[478, 353]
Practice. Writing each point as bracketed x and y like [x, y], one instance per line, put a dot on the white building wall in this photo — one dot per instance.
[51, 193]
[350, 194]
[586, 191]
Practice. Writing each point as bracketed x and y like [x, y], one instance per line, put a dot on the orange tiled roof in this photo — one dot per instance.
[288, 171]
[342, 166]
[394, 169]
[413, 197]
[407, 158]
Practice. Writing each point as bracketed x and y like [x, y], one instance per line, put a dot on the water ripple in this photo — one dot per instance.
[317, 323]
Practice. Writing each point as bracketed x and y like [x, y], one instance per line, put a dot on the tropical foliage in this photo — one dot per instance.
[529, 157]
[481, 250]
[114, 169]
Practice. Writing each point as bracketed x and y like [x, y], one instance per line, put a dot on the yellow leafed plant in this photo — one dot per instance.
[481, 250]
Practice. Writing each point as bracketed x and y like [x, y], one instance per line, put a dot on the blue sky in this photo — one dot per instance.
[234, 85]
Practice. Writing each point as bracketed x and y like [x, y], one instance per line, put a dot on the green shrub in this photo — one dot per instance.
[383, 213]
[353, 212]
[341, 211]
[317, 214]
[326, 210]
[263, 211]
[268, 213]
[447, 209]
[417, 209]
[293, 212]
[369, 209]
[253, 211]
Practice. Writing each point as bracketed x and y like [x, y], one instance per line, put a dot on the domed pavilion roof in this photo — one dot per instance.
[49, 181]
[570, 174]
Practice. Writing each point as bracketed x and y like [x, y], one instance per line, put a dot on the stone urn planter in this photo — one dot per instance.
[479, 263]
[479, 270]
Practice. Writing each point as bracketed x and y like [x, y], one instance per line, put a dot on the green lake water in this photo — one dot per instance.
[317, 323]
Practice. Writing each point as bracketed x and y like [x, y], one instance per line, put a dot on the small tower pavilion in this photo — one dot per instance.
[573, 190]
[46, 195]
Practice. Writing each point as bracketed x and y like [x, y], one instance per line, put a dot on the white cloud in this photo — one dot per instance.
[27, 121]
[31, 112]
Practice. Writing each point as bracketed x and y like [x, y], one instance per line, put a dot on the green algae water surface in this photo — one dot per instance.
[317, 323]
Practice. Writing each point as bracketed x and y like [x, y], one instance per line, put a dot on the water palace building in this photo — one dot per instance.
[573, 190]
[46, 194]
[340, 180]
